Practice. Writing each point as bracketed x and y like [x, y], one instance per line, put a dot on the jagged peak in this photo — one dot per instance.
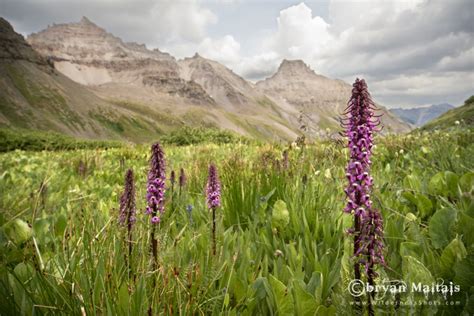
[296, 64]
[86, 21]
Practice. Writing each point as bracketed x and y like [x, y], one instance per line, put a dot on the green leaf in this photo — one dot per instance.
[280, 215]
[283, 298]
[305, 302]
[413, 182]
[466, 228]
[423, 203]
[467, 182]
[410, 249]
[437, 185]
[453, 253]
[414, 271]
[326, 311]
[464, 271]
[41, 227]
[18, 231]
[60, 225]
[441, 227]
[452, 181]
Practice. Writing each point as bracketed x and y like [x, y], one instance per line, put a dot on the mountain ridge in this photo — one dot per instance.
[192, 91]
[418, 116]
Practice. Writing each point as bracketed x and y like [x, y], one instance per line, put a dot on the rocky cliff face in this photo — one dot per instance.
[14, 47]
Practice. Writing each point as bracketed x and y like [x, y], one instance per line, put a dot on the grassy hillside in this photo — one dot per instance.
[463, 116]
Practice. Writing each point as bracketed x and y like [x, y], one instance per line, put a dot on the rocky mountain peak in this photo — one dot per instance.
[294, 67]
[86, 21]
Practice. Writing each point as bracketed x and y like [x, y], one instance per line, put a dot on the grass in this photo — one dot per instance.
[281, 242]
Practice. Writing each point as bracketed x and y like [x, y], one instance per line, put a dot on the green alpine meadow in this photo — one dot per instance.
[281, 241]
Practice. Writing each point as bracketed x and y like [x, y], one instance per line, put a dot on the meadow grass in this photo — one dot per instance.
[281, 242]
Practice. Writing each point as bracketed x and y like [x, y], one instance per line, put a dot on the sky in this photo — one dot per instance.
[411, 52]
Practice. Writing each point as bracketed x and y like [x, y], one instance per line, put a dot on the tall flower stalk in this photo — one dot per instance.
[181, 180]
[156, 193]
[360, 123]
[127, 211]
[213, 193]
[172, 181]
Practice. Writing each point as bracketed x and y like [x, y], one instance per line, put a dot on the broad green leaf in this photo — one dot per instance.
[413, 182]
[326, 311]
[441, 227]
[24, 271]
[453, 253]
[305, 302]
[60, 225]
[467, 182]
[18, 231]
[452, 181]
[423, 204]
[414, 271]
[437, 184]
[464, 272]
[41, 227]
[466, 228]
[283, 298]
[410, 249]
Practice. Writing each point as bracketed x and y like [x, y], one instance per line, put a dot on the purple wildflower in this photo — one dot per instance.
[213, 192]
[156, 184]
[213, 188]
[127, 201]
[127, 211]
[360, 123]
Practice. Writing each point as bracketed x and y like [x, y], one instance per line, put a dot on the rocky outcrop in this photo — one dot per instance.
[14, 47]
[180, 88]
[320, 100]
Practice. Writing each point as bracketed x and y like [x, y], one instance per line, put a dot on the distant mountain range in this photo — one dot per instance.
[421, 115]
[462, 115]
[80, 80]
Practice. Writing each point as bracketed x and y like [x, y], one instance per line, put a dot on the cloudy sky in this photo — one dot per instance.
[411, 52]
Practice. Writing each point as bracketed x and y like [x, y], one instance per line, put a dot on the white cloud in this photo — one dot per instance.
[421, 45]
[225, 50]
[299, 33]
[181, 20]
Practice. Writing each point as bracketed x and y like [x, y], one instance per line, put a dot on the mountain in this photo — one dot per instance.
[318, 99]
[195, 90]
[78, 79]
[463, 116]
[36, 96]
[422, 115]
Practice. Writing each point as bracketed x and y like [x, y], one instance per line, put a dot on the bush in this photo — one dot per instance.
[12, 139]
[197, 135]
